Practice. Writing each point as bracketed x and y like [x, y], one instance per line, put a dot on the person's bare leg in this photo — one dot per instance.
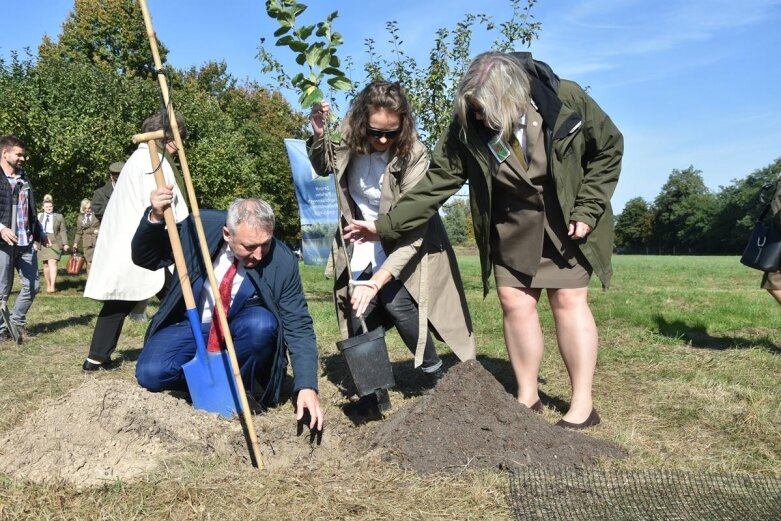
[523, 338]
[54, 266]
[50, 274]
[776, 294]
[576, 333]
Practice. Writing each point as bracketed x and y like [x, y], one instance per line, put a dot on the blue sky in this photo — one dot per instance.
[688, 82]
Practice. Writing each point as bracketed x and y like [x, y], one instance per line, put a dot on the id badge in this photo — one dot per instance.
[499, 148]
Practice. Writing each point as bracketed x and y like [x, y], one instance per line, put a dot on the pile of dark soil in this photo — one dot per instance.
[106, 430]
[470, 421]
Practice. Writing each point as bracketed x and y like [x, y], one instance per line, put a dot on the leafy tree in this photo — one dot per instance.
[684, 210]
[236, 145]
[75, 119]
[108, 33]
[739, 207]
[213, 78]
[634, 226]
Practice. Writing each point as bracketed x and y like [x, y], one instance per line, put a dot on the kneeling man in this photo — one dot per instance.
[268, 316]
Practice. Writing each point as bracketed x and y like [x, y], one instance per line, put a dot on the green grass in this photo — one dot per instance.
[687, 378]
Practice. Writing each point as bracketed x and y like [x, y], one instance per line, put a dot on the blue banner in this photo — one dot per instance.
[317, 201]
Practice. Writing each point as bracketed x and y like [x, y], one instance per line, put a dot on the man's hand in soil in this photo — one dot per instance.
[309, 402]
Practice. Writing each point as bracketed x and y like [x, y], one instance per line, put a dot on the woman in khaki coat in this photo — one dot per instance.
[87, 226]
[414, 282]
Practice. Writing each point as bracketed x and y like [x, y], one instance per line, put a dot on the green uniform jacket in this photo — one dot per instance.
[584, 162]
[100, 199]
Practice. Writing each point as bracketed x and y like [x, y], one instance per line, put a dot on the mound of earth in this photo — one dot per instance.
[469, 420]
[109, 430]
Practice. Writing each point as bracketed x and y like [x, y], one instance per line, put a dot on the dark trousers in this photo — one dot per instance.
[108, 328]
[254, 333]
[395, 303]
[110, 321]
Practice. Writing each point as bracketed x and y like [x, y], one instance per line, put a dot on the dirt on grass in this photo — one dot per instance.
[470, 421]
[108, 430]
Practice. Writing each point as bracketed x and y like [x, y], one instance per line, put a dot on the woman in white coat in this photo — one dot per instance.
[114, 279]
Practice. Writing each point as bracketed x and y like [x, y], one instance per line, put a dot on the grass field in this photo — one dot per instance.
[687, 378]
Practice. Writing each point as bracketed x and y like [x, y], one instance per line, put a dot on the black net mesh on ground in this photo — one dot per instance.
[643, 495]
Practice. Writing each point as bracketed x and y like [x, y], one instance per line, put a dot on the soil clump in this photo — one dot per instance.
[470, 421]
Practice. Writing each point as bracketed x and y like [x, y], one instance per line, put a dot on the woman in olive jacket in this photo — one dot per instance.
[87, 226]
[542, 160]
[413, 282]
[54, 228]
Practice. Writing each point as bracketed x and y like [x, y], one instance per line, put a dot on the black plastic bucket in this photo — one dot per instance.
[367, 358]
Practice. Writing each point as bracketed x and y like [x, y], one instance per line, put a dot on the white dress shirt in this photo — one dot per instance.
[364, 180]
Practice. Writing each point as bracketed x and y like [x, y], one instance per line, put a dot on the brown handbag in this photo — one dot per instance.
[75, 264]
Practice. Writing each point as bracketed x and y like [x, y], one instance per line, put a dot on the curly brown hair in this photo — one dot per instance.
[375, 96]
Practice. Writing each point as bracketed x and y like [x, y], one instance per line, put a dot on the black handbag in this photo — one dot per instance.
[763, 251]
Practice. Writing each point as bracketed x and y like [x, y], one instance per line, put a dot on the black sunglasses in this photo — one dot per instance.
[377, 133]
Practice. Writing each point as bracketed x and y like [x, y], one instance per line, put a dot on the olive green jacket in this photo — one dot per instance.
[584, 150]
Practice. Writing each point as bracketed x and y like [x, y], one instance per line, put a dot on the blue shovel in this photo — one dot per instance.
[209, 376]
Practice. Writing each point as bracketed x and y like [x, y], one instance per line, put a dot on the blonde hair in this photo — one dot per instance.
[48, 199]
[498, 83]
[84, 203]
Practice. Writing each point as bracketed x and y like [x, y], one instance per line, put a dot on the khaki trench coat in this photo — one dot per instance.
[422, 258]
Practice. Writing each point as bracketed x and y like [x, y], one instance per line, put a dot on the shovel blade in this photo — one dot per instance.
[10, 325]
[211, 383]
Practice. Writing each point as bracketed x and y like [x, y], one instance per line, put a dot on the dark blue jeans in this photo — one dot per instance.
[254, 332]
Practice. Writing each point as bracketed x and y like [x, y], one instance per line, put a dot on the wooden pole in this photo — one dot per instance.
[207, 261]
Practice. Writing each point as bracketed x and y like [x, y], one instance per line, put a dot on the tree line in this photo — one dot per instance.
[688, 218]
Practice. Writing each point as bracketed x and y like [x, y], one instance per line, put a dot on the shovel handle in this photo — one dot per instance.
[148, 136]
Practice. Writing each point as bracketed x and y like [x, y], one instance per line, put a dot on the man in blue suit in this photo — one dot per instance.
[267, 314]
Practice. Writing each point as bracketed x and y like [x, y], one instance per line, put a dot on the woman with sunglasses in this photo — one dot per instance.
[410, 281]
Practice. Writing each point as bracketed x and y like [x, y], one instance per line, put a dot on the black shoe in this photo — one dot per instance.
[592, 420]
[25, 333]
[434, 376]
[108, 365]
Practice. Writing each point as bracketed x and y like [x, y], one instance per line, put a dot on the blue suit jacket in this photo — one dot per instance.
[275, 280]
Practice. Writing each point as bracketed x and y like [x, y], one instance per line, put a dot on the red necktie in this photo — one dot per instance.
[216, 337]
